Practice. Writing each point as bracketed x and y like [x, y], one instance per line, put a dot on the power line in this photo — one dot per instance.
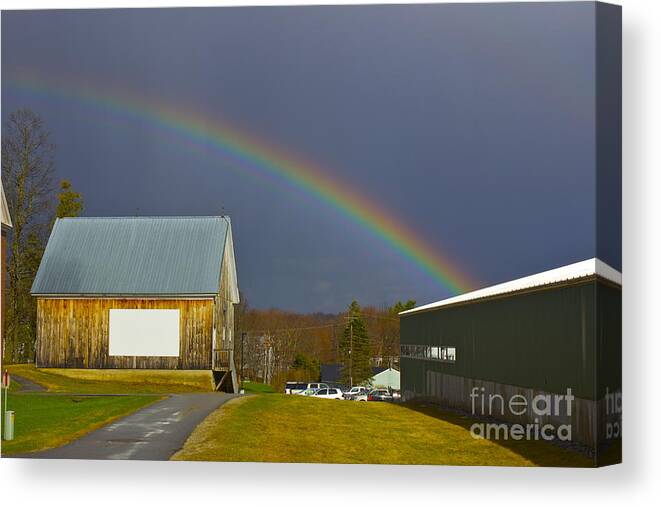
[316, 327]
[262, 331]
[307, 328]
[323, 326]
[379, 317]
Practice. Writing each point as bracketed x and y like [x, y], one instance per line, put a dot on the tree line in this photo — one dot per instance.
[275, 346]
[34, 202]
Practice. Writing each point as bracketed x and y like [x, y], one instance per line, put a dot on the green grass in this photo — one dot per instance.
[46, 420]
[280, 428]
[256, 387]
[109, 381]
[51, 419]
[14, 386]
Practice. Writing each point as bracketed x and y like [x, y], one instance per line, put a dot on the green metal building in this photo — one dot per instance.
[550, 338]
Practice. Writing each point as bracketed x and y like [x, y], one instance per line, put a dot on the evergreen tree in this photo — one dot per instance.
[401, 307]
[307, 367]
[69, 202]
[355, 349]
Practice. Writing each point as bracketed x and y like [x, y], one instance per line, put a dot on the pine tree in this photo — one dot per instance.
[69, 202]
[355, 349]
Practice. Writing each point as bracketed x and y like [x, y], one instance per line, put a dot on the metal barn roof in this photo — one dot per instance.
[133, 256]
[581, 269]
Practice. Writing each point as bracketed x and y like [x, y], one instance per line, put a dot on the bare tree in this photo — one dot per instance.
[27, 171]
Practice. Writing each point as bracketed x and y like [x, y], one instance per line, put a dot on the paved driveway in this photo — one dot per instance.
[27, 385]
[155, 432]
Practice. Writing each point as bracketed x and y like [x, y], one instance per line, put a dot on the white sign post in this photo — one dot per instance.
[9, 416]
[6, 379]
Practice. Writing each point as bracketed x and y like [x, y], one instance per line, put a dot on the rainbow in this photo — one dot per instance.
[264, 159]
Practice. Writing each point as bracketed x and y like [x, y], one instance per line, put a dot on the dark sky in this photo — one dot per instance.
[473, 124]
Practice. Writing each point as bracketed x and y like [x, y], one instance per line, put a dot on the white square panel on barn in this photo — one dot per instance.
[144, 333]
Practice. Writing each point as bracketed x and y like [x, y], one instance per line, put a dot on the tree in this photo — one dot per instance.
[27, 168]
[355, 349]
[402, 307]
[69, 202]
[308, 368]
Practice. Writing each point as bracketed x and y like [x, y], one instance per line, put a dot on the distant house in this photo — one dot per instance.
[143, 292]
[388, 377]
[6, 225]
[331, 373]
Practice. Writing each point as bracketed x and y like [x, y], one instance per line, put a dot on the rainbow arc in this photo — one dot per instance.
[257, 155]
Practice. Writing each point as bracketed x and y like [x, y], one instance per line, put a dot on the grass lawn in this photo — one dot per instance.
[81, 381]
[13, 386]
[256, 387]
[45, 420]
[280, 428]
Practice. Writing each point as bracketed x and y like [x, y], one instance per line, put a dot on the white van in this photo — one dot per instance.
[300, 387]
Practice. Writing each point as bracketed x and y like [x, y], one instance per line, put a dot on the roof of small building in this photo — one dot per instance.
[159, 256]
[589, 267]
[332, 372]
[384, 371]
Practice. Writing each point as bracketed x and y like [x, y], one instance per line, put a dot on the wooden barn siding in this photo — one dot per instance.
[225, 318]
[73, 333]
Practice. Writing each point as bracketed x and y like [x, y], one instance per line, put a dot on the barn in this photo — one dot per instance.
[138, 293]
[543, 351]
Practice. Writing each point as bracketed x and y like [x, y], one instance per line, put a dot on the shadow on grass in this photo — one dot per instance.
[539, 452]
[610, 454]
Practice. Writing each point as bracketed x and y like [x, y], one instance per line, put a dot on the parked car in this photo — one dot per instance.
[360, 396]
[307, 392]
[295, 387]
[330, 393]
[299, 387]
[355, 390]
[379, 395]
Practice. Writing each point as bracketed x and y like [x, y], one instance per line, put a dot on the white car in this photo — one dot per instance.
[355, 391]
[307, 392]
[331, 393]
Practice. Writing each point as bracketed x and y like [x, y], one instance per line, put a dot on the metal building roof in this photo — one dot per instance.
[573, 271]
[133, 256]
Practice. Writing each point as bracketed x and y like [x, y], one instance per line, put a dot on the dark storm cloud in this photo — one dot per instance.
[473, 123]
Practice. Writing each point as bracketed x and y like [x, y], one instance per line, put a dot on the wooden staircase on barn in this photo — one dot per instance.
[224, 372]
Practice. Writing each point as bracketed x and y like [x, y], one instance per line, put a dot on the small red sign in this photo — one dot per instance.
[6, 379]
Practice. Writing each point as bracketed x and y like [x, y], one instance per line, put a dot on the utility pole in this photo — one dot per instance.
[350, 319]
[351, 354]
[243, 336]
[336, 342]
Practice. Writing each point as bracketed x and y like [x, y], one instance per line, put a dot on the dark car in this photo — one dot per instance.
[379, 395]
